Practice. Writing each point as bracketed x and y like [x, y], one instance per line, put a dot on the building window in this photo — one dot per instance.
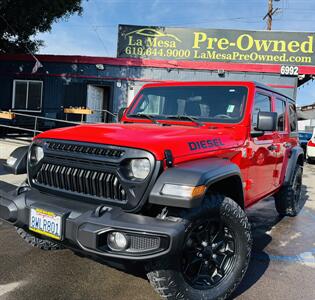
[27, 95]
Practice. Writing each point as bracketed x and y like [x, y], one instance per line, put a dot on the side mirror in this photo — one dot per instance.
[17, 161]
[266, 121]
[121, 113]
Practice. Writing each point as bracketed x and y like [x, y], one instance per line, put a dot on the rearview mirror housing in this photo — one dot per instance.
[121, 113]
[266, 121]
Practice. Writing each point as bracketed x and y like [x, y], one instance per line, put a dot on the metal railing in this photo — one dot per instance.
[104, 113]
[85, 111]
[36, 118]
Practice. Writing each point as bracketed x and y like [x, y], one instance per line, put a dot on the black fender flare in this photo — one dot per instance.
[296, 156]
[195, 173]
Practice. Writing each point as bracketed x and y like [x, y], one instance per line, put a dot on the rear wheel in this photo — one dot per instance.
[214, 256]
[289, 200]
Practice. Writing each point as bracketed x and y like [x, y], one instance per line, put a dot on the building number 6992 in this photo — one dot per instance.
[289, 70]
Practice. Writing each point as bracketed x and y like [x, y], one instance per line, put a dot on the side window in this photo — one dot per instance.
[262, 103]
[280, 109]
[292, 117]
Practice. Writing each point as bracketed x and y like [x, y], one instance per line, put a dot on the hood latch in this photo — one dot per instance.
[169, 158]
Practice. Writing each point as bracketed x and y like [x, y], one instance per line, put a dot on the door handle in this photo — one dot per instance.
[272, 147]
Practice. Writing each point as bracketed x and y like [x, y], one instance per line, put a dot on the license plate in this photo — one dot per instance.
[46, 223]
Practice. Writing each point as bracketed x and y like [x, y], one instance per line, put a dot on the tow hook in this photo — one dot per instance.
[100, 210]
[24, 187]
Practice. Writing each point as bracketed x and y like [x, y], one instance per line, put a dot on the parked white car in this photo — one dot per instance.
[310, 150]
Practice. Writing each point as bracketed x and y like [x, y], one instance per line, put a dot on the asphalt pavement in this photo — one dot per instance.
[282, 264]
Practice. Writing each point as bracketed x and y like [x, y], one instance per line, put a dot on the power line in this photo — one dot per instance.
[100, 39]
[94, 28]
[236, 19]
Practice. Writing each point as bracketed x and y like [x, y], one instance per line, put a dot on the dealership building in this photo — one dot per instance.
[106, 84]
[306, 115]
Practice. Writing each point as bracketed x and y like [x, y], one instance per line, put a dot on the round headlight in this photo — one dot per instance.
[36, 154]
[140, 168]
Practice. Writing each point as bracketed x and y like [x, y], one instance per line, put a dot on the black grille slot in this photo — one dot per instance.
[89, 182]
[91, 150]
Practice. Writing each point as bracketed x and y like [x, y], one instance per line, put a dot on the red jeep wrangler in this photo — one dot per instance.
[167, 186]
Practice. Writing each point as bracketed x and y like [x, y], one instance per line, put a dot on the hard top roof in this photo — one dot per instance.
[223, 82]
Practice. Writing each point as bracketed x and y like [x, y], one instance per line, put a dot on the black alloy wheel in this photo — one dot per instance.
[209, 254]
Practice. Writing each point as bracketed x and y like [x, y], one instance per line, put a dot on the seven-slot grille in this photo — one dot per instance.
[74, 148]
[89, 182]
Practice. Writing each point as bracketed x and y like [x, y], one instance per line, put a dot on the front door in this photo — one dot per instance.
[95, 98]
[263, 156]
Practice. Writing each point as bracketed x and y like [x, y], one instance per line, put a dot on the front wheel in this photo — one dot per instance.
[214, 256]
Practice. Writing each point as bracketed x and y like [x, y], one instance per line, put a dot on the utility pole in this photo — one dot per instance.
[270, 13]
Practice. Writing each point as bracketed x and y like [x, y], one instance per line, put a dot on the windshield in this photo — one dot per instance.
[224, 104]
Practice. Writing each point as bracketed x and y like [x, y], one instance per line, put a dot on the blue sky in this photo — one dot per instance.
[95, 32]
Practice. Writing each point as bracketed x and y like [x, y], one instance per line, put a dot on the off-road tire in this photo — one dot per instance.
[289, 200]
[166, 275]
[37, 242]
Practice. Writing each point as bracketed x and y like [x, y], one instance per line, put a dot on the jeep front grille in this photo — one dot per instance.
[89, 182]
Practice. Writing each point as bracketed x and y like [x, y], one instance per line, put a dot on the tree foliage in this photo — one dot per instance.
[20, 20]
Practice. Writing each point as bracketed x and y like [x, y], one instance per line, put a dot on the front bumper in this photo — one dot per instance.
[84, 227]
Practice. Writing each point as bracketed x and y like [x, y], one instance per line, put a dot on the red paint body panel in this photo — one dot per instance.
[149, 137]
[262, 170]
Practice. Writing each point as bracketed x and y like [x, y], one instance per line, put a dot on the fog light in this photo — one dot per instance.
[117, 241]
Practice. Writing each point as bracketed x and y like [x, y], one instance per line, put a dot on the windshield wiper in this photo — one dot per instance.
[186, 117]
[146, 116]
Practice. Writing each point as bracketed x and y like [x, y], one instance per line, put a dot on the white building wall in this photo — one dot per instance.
[306, 125]
[303, 123]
